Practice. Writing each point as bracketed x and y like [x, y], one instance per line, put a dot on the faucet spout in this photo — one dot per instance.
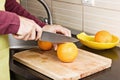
[48, 11]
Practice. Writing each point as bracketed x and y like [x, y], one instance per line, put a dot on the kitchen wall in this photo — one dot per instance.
[105, 14]
[68, 13]
[35, 7]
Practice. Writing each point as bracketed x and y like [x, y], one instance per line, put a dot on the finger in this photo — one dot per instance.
[22, 37]
[38, 32]
[27, 37]
[64, 31]
[55, 47]
[68, 33]
[32, 35]
[18, 36]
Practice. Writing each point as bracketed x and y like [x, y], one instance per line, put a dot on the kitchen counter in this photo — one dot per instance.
[107, 74]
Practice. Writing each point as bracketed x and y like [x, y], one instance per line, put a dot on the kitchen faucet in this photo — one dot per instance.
[47, 10]
[20, 44]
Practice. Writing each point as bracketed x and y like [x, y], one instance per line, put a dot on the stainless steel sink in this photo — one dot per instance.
[20, 44]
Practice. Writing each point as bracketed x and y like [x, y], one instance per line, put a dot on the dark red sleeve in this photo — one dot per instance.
[13, 6]
[9, 22]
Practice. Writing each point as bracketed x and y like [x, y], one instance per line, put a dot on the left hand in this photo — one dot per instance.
[57, 29]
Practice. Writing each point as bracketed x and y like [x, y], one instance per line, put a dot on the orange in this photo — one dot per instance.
[44, 45]
[67, 52]
[103, 36]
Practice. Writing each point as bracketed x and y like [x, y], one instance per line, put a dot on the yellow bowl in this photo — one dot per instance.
[88, 41]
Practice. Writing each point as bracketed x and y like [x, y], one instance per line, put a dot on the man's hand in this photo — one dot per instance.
[28, 30]
[57, 29]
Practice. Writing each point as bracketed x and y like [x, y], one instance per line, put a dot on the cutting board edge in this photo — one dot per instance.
[79, 77]
[50, 76]
[108, 65]
[100, 69]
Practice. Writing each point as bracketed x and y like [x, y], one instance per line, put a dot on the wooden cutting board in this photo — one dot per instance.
[47, 63]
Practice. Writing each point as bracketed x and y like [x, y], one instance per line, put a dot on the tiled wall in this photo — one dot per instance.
[67, 14]
[73, 14]
[35, 7]
[104, 15]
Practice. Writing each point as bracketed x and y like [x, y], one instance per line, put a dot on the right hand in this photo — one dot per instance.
[28, 30]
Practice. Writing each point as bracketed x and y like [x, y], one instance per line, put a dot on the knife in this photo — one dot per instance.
[56, 38]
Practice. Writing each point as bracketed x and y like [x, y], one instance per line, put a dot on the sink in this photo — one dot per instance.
[17, 44]
[20, 44]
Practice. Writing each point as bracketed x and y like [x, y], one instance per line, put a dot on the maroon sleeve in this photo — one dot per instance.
[9, 22]
[13, 6]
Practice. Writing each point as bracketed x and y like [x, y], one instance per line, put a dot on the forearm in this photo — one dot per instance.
[9, 23]
[13, 6]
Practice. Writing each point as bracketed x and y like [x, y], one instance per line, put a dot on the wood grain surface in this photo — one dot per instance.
[47, 63]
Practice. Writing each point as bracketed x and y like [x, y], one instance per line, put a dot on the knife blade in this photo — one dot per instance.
[56, 38]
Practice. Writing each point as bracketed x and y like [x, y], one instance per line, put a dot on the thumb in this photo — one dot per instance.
[55, 47]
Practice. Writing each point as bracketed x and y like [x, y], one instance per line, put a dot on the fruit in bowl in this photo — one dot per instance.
[103, 36]
[93, 42]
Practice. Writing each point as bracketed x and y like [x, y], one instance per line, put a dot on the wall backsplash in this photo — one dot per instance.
[35, 7]
[66, 14]
[73, 14]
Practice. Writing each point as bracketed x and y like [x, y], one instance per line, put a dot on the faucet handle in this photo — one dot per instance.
[46, 20]
[47, 10]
